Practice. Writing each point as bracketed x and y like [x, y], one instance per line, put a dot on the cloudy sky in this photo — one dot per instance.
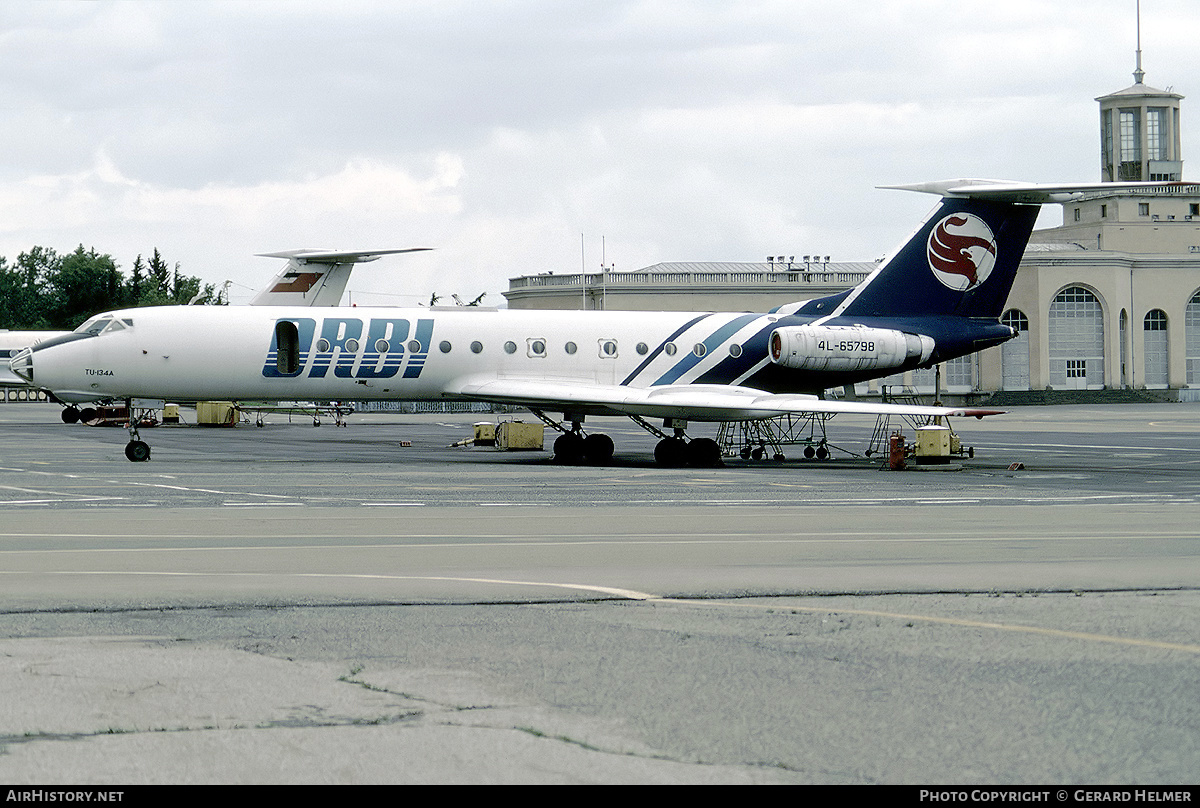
[517, 135]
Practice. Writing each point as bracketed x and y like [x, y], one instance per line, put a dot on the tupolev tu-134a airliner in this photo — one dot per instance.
[937, 297]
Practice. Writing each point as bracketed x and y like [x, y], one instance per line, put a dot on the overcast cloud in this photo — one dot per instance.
[513, 136]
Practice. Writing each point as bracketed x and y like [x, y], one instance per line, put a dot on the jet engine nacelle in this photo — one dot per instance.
[843, 347]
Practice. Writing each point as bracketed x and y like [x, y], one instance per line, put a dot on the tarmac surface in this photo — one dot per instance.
[368, 605]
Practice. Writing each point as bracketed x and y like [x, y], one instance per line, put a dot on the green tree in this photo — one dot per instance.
[83, 283]
[45, 290]
[137, 282]
[21, 302]
[160, 284]
[23, 291]
[160, 276]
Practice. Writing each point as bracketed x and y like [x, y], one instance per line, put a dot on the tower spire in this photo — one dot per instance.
[1138, 73]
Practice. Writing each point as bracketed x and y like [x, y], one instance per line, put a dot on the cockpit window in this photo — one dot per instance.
[94, 326]
[104, 324]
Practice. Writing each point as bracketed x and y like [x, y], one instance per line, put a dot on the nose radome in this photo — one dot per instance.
[22, 364]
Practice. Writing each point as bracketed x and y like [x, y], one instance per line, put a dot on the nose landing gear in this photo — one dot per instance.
[137, 450]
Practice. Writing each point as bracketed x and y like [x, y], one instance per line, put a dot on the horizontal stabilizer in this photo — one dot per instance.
[1030, 193]
[345, 257]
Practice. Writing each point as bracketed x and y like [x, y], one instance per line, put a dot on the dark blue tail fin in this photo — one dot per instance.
[961, 261]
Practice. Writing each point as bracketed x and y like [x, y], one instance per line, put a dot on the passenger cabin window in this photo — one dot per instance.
[608, 349]
[287, 340]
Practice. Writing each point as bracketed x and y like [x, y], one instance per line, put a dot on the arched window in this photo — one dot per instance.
[1076, 340]
[1155, 339]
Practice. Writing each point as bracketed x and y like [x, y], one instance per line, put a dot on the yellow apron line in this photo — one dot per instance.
[956, 621]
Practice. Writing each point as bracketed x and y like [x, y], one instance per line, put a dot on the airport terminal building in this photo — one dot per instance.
[1109, 300]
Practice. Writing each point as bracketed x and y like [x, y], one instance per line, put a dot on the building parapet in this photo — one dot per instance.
[818, 274]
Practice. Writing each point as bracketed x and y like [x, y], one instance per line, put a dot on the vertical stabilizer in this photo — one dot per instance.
[964, 257]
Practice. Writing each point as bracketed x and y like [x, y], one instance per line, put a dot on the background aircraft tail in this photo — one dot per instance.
[314, 278]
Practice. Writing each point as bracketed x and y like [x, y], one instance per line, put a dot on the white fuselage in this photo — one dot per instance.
[364, 353]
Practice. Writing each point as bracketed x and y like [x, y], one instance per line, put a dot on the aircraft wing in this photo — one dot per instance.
[693, 402]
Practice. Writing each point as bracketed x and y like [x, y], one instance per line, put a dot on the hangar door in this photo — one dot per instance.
[1076, 340]
[1191, 333]
[1155, 337]
[1014, 354]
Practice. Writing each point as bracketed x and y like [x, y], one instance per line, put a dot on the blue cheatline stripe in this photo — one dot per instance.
[713, 341]
[732, 367]
[653, 354]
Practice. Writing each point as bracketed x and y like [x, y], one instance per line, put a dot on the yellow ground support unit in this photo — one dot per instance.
[933, 444]
[517, 435]
[485, 433]
[216, 413]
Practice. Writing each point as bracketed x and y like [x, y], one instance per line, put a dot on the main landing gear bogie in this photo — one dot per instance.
[574, 448]
[677, 452]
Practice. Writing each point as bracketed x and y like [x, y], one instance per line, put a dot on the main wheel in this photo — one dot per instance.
[70, 415]
[568, 448]
[598, 449]
[137, 451]
[671, 452]
[704, 453]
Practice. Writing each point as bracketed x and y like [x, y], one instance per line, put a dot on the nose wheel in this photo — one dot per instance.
[137, 450]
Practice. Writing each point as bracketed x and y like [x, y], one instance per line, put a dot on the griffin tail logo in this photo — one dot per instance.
[962, 251]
